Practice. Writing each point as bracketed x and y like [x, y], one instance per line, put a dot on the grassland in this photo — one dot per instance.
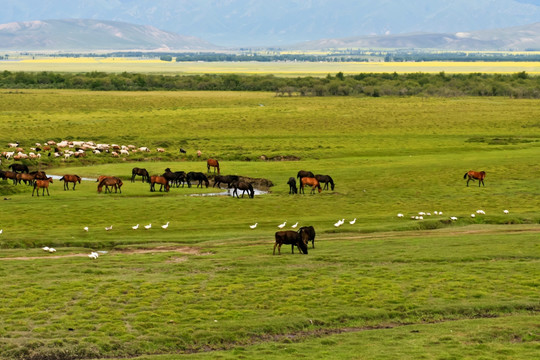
[209, 286]
[291, 69]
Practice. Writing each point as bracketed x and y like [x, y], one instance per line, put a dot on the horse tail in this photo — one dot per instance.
[62, 179]
[217, 164]
[252, 192]
[465, 176]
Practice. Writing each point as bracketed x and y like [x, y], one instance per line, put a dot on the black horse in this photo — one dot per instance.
[244, 186]
[226, 179]
[303, 173]
[19, 168]
[140, 172]
[169, 175]
[326, 179]
[290, 237]
[197, 176]
[292, 186]
[180, 177]
[308, 233]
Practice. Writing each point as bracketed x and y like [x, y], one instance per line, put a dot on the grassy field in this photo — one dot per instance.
[119, 65]
[209, 287]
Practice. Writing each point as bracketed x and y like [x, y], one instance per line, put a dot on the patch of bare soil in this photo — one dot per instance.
[160, 249]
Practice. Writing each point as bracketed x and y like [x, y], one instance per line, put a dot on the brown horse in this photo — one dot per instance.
[212, 163]
[475, 175]
[290, 237]
[42, 184]
[314, 183]
[10, 175]
[70, 178]
[244, 186]
[111, 181]
[27, 178]
[154, 179]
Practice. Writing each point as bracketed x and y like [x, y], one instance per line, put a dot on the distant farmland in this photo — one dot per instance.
[291, 68]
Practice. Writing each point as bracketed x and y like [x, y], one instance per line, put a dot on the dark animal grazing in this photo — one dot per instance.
[475, 175]
[154, 179]
[19, 168]
[197, 176]
[180, 177]
[111, 181]
[308, 234]
[42, 184]
[141, 172]
[326, 179]
[226, 179]
[303, 173]
[290, 237]
[70, 178]
[244, 186]
[212, 163]
[27, 178]
[182, 151]
[169, 175]
[39, 175]
[292, 186]
[10, 175]
[314, 183]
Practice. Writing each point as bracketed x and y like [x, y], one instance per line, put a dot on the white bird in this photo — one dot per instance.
[45, 248]
[400, 215]
[253, 226]
[147, 226]
[93, 255]
[165, 226]
[295, 225]
[472, 215]
[436, 212]
[338, 224]
[135, 227]
[480, 212]
[51, 250]
[421, 213]
[281, 226]
[504, 211]
[108, 228]
[453, 218]
[1, 231]
[85, 228]
[440, 212]
[352, 221]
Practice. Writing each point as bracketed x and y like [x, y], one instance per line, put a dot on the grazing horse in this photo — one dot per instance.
[27, 178]
[163, 181]
[227, 179]
[244, 186]
[180, 177]
[303, 173]
[212, 163]
[292, 186]
[326, 179]
[308, 233]
[39, 175]
[141, 172]
[10, 175]
[475, 175]
[111, 181]
[290, 237]
[197, 176]
[70, 178]
[42, 184]
[314, 183]
[19, 168]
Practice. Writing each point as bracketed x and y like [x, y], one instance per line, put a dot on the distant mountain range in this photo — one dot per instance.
[95, 35]
[265, 23]
[519, 38]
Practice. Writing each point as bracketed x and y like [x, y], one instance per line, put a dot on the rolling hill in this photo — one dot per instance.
[93, 35]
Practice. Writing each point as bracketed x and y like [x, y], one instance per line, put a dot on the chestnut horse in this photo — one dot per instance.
[475, 175]
[314, 183]
[42, 184]
[112, 182]
[154, 179]
[27, 178]
[70, 178]
[212, 163]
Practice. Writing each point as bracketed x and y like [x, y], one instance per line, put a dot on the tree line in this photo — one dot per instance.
[518, 85]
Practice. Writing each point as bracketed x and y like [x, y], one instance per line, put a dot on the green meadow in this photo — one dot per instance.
[209, 287]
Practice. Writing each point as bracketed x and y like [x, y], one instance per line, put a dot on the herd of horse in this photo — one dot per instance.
[307, 178]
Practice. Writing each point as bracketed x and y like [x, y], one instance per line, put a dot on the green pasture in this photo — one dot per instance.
[209, 287]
